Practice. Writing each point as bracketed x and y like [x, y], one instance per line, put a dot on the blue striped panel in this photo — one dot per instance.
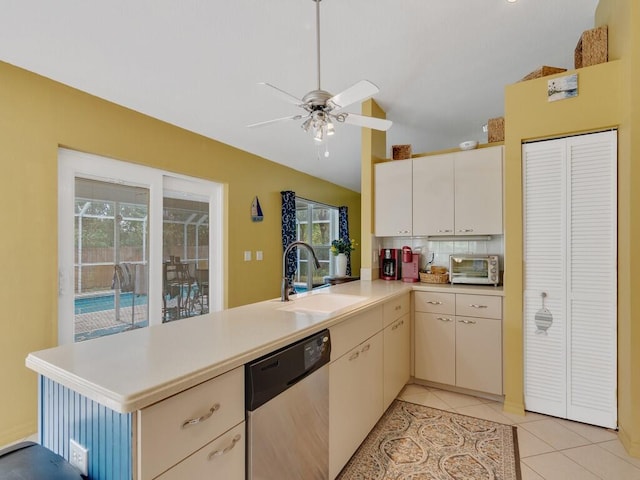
[65, 415]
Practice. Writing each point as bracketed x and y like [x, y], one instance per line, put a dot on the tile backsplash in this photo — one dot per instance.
[441, 249]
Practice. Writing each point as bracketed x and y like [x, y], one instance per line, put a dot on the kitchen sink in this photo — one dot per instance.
[322, 303]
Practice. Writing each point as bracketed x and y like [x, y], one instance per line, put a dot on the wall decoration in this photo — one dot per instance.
[562, 88]
[256, 210]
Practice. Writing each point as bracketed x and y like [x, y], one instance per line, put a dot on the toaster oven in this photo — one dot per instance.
[474, 269]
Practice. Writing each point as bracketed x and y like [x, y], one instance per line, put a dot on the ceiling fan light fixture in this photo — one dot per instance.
[330, 128]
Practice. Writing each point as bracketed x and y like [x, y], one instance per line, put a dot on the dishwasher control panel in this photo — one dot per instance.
[315, 349]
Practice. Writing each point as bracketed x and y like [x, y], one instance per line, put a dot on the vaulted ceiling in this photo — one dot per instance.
[441, 65]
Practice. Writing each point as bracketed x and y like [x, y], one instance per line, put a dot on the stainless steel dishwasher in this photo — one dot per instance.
[287, 402]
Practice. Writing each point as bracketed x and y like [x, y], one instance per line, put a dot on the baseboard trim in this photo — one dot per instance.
[632, 448]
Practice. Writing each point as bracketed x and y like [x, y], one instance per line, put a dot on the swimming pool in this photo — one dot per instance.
[99, 303]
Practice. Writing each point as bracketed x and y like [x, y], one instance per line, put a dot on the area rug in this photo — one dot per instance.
[414, 442]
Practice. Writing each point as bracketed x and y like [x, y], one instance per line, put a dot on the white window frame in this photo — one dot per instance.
[72, 164]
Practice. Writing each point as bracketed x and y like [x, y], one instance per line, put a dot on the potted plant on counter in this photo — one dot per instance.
[340, 248]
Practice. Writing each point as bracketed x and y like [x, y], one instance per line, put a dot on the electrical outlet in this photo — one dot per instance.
[79, 457]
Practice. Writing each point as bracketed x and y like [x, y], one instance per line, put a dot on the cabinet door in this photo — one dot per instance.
[435, 347]
[397, 358]
[393, 216]
[355, 400]
[433, 201]
[478, 192]
[222, 458]
[479, 354]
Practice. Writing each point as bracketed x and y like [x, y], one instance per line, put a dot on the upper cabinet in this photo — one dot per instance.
[393, 217]
[457, 193]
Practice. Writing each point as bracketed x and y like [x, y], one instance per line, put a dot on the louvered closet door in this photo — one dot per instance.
[545, 372]
[592, 293]
[570, 254]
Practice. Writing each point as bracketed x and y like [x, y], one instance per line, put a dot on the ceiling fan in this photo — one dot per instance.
[322, 109]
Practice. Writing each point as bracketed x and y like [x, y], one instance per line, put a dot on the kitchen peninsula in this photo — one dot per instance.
[126, 387]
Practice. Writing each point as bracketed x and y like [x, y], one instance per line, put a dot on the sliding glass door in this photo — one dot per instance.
[137, 246]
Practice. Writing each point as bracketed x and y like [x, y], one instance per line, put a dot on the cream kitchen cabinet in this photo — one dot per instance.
[393, 199]
[458, 340]
[435, 337]
[465, 186]
[222, 458]
[355, 399]
[397, 347]
[205, 419]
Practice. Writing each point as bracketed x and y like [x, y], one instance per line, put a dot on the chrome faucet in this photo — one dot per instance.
[286, 286]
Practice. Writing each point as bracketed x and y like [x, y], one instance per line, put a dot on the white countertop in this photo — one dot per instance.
[129, 371]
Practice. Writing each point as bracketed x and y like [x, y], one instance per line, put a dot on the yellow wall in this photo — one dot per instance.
[607, 98]
[374, 146]
[623, 20]
[36, 116]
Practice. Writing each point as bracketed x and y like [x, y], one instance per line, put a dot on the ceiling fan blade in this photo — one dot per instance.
[367, 122]
[287, 97]
[275, 120]
[355, 93]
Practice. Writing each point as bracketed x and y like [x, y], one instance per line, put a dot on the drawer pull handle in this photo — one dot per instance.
[398, 307]
[366, 348]
[354, 355]
[468, 322]
[443, 319]
[206, 416]
[226, 449]
[475, 305]
[434, 302]
[398, 325]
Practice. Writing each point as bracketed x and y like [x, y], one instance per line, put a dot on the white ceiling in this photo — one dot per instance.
[441, 65]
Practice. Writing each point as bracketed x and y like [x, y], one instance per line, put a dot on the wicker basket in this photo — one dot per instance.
[543, 72]
[495, 128]
[434, 277]
[401, 152]
[592, 48]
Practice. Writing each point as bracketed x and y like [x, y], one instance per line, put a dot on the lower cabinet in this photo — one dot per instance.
[195, 431]
[479, 354]
[397, 358]
[355, 399]
[435, 347]
[458, 340]
[222, 458]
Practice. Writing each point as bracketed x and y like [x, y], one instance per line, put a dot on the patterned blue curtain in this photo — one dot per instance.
[343, 231]
[289, 231]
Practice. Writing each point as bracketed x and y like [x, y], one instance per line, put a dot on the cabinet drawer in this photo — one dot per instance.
[394, 309]
[434, 302]
[484, 306]
[354, 330]
[174, 428]
[222, 458]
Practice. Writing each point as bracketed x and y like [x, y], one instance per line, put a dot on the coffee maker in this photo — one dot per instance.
[390, 260]
[410, 265]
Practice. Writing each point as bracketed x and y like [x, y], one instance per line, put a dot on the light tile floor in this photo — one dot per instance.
[550, 448]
